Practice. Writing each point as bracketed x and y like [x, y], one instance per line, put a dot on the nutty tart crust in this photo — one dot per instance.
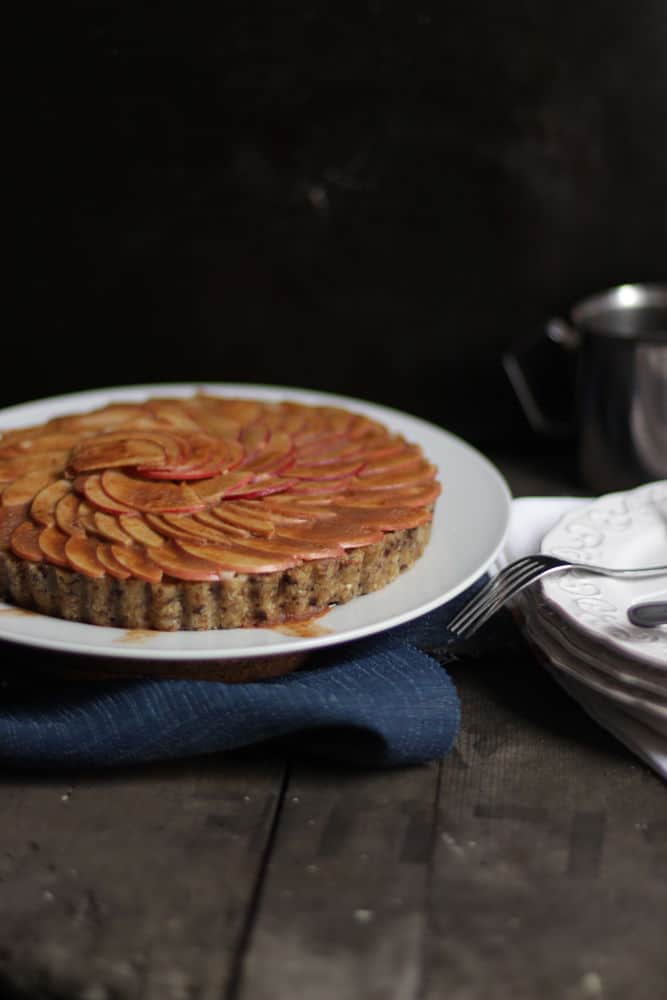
[207, 512]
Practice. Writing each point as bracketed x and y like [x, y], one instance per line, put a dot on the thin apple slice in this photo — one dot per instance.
[22, 491]
[102, 454]
[304, 549]
[404, 460]
[410, 496]
[86, 516]
[331, 470]
[22, 465]
[333, 449]
[103, 419]
[296, 510]
[347, 535]
[105, 555]
[173, 413]
[81, 553]
[108, 527]
[419, 476]
[67, 515]
[260, 488]
[321, 487]
[238, 560]
[183, 565]
[192, 528]
[138, 562]
[232, 513]
[140, 531]
[253, 438]
[385, 518]
[231, 530]
[98, 498]
[52, 542]
[228, 483]
[24, 542]
[59, 441]
[150, 497]
[43, 507]
[274, 458]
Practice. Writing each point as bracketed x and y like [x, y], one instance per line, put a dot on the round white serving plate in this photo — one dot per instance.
[469, 528]
[618, 530]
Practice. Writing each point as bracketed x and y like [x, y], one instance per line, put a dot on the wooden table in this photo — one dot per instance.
[530, 863]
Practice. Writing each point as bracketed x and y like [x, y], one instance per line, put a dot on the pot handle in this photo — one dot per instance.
[541, 371]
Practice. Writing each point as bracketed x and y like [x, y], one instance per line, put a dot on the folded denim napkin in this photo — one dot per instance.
[381, 701]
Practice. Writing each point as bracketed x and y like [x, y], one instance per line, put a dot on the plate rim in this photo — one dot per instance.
[120, 649]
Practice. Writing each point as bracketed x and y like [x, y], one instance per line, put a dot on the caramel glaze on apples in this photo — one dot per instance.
[204, 488]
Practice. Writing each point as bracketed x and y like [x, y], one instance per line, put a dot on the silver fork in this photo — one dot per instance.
[513, 578]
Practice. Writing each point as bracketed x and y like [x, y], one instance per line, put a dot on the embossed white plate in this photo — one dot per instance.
[469, 528]
[624, 530]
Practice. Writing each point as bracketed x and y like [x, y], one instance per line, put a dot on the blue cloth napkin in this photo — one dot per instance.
[382, 701]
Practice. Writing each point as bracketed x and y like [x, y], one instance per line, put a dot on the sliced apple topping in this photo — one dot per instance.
[104, 553]
[151, 497]
[43, 507]
[140, 531]
[138, 562]
[182, 565]
[24, 542]
[67, 515]
[52, 543]
[21, 491]
[238, 560]
[199, 487]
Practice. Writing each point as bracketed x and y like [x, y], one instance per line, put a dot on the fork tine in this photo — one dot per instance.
[504, 580]
[492, 597]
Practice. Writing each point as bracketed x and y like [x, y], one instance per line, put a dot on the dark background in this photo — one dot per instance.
[373, 199]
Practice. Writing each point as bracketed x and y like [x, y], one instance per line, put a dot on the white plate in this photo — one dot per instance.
[469, 528]
[619, 530]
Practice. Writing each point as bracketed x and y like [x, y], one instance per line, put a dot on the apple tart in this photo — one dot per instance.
[207, 512]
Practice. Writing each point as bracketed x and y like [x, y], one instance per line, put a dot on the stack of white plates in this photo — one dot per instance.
[579, 623]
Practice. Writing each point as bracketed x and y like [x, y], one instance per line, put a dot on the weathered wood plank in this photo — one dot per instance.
[133, 886]
[550, 868]
[343, 904]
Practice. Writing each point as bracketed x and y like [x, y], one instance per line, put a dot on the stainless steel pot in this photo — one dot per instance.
[620, 339]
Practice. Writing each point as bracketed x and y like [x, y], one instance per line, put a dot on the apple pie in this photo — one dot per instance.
[207, 512]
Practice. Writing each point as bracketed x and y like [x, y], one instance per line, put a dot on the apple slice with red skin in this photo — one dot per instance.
[52, 542]
[260, 488]
[21, 491]
[323, 473]
[24, 542]
[192, 528]
[421, 475]
[385, 518]
[297, 511]
[98, 498]
[238, 560]
[411, 496]
[139, 563]
[300, 548]
[231, 513]
[253, 438]
[43, 506]
[334, 533]
[205, 517]
[402, 461]
[183, 565]
[274, 458]
[209, 456]
[105, 555]
[227, 483]
[150, 497]
[117, 453]
[321, 486]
